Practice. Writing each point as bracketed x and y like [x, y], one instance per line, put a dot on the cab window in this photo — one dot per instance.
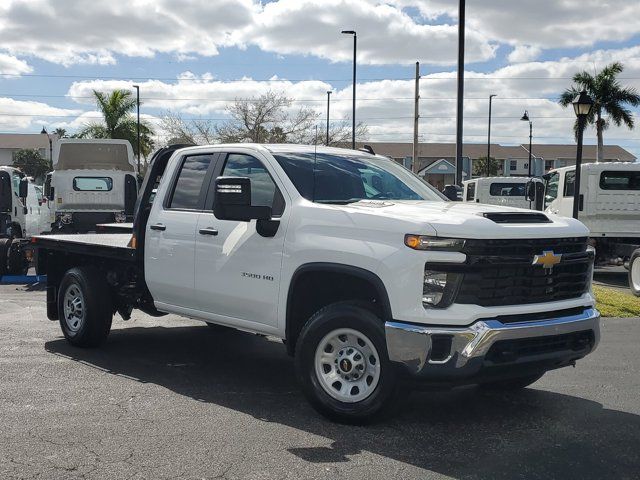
[569, 183]
[551, 191]
[187, 191]
[264, 191]
[471, 191]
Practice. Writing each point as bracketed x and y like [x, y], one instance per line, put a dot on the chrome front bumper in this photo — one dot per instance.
[412, 345]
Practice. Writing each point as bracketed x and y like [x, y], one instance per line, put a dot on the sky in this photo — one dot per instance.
[194, 57]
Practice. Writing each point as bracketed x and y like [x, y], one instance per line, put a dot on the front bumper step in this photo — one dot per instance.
[448, 353]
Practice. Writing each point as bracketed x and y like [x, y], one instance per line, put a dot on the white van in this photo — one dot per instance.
[508, 191]
[93, 182]
[609, 207]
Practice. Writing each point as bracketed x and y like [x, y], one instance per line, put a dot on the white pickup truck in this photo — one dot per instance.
[368, 274]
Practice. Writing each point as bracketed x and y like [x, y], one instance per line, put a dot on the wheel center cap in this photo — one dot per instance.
[345, 365]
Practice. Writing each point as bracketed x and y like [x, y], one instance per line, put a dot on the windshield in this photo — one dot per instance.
[332, 178]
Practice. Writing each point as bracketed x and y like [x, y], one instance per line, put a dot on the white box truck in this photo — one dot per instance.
[93, 182]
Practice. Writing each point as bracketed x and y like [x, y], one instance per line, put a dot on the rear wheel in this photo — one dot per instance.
[342, 363]
[5, 243]
[17, 263]
[512, 384]
[634, 272]
[85, 307]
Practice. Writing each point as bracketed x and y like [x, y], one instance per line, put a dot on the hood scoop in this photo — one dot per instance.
[516, 217]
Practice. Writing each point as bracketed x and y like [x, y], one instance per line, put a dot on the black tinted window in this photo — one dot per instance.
[612, 180]
[262, 187]
[186, 193]
[570, 183]
[508, 189]
[471, 191]
[93, 184]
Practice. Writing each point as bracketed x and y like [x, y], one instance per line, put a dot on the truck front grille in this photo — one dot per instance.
[513, 285]
[500, 272]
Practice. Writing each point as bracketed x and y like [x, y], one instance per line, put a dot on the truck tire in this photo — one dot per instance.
[85, 308]
[342, 364]
[17, 263]
[634, 273]
[5, 243]
[512, 384]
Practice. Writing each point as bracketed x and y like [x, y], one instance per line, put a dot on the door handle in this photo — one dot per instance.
[208, 231]
[158, 226]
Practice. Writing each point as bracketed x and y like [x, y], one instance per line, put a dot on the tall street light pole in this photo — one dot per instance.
[582, 105]
[525, 118]
[44, 132]
[353, 107]
[328, 102]
[459, 113]
[137, 87]
[489, 135]
[416, 117]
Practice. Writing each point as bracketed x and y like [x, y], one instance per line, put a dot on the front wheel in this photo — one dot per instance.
[634, 273]
[342, 363]
[85, 307]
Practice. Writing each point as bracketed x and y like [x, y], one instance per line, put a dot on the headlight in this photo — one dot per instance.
[439, 288]
[426, 242]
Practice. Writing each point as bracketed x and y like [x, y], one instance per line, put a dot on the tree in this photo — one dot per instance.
[60, 132]
[609, 96]
[480, 167]
[31, 163]
[192, 131]
[267, 119]
[118, 121]
[340, 134]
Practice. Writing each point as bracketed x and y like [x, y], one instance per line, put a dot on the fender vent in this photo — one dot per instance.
[516, 217]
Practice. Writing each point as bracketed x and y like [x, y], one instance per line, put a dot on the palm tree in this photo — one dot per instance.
[609, 96]
[118, 121]
[60, 132]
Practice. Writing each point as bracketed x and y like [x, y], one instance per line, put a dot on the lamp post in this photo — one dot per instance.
[328, 100]
[353, 107]
[44, 132]
[137, 87]
[525, 118]
[582, 105]
[489, 134]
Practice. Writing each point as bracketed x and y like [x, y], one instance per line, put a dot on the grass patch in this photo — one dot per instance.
[614, 303]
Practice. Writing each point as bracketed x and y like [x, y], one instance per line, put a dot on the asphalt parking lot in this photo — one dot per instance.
[169, 398]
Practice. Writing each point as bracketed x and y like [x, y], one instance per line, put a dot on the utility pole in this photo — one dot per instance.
[489, 135]
[137, 87]
[353, 106]
[416, 116]
[328, 101]
[459, 114]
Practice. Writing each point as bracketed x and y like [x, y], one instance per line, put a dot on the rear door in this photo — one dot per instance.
[171, 229]
[237, 269]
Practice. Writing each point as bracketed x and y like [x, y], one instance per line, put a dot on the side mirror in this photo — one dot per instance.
[23, 189]
[451, 193]
[232, 201]
[47, 187]
[531, 191]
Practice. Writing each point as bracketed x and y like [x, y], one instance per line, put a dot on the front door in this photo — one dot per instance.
[237, 269]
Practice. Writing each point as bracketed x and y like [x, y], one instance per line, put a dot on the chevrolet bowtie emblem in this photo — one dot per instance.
[548, 259]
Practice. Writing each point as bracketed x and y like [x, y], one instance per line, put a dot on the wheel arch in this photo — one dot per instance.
[317, 284]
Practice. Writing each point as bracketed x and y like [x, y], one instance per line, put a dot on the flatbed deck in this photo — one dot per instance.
[112, 245]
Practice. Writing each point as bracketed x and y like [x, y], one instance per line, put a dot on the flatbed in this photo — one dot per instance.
[110, 245]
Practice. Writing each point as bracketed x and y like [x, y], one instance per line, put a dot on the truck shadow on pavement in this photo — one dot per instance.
[462, 434]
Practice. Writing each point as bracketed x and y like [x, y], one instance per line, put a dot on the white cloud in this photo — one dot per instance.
[524, 53]
[26, 115]
[386, 35]
[10, 65]
[76, 31]
[545, 23]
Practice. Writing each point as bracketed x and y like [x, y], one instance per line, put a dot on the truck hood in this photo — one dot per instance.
[465, 220]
